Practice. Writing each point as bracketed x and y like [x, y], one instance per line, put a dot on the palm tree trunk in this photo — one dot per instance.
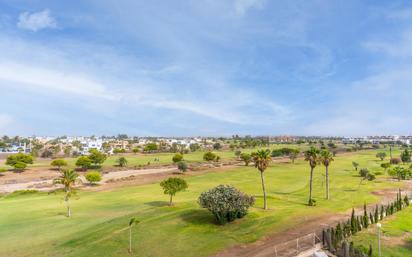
[264, 191]
[130, 239]
[69, 212]
[327, 183]
[310, 186]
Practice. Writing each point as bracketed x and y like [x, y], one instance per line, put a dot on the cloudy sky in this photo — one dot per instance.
[205, 67]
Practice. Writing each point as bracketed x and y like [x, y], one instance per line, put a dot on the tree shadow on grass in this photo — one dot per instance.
[157, 203]
[198, 217]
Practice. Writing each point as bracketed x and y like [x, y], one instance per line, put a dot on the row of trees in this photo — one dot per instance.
[335, 239]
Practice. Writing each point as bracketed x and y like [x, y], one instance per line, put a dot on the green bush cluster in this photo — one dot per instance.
[226, 203]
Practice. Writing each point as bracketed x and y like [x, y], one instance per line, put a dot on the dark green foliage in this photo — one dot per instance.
[376, 216]
[406, 156]
[122, 161]
[84, 162]
[406, 200]
[365, 218]
[209, 156]
[226, 203]
[246, 158]
[182, 166]
[19, 161]
[97, 157]
[177, 157]
[283, 152]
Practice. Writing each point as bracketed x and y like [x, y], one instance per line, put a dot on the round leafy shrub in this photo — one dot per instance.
[177, 158]
[226, 203]
[93, 177]
[182, 166]
[209, 156]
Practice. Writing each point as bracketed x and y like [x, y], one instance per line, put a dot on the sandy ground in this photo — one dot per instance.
[42, 180]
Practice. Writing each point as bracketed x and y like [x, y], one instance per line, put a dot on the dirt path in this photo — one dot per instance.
[265, 246]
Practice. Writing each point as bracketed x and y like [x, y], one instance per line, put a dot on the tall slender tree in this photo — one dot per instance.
[312, 157]
[133, 221]
[262, 158]
[68, 179]
[326, 158]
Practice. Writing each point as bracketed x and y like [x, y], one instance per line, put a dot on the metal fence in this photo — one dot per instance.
[295, 247]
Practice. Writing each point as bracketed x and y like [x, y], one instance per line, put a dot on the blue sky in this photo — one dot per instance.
[203, 67]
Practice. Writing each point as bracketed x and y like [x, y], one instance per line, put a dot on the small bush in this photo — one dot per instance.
[182, 166]
[226, 203]
[20, 165]
[93, 177]
[177, 158]
[209, 156]
[363, 172]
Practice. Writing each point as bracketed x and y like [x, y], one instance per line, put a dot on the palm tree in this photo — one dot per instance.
[326, 158]
[312, 157]
[68, 179]
[262, 158]
[133, 221]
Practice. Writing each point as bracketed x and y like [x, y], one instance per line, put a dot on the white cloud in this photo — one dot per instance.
[36, 21]
[242, 6]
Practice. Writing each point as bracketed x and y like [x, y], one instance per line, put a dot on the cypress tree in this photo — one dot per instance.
[382, 211]
[406, 200]
[370, 251]
[353, 222]
[365, 217]
[371, 218]
[358, 224]
[376, 214]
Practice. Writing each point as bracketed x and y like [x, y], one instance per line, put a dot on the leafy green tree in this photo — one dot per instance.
[209, 156]
[150, 147]
[406, 156]
[93, 177]
[97, 157]
[173, 185]
[238, 153]
[194, 147]
[182, 166]
[177, 157]
[386, 165]
[381, 155]
[133, 221]
[84, 162]
[58, 163]
[217, 146]
[262, 159]
[19, 161]
[68, 179]
[401, 173]
[226, 203]
[122, 161]
[246, 158]
[135, 150]
[312, 157]
[294, 154]
[326, 158]
[20, 166]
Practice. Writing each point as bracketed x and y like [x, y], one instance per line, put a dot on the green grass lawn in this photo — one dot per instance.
[397, 238]
[35, 225]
